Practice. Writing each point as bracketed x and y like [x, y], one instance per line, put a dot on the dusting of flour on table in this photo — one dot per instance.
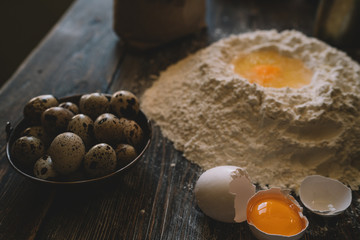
[280, 135]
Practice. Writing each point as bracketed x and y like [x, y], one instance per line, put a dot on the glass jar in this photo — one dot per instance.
[148, 23]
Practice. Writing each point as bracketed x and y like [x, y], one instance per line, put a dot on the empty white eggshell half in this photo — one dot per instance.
[222, 193]
[324, 196]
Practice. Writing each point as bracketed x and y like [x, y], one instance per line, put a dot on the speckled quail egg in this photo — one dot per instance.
[133, 132]
[26, 150]
[37, 105]
[124, 104]
[70, 106]
[100, 160]
[94, 104]
[67, 151]
[125, 153]
[109, 129]
[44, 169]
[38, 132]
[55, 120]
[83, 126]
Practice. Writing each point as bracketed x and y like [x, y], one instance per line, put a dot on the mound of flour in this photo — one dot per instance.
[280, 135]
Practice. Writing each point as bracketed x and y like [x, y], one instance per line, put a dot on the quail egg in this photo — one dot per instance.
[132, 132]
[83, 126]
[26, 150]
[125, 154]
[44, 169]
[100, 160]
[37, 105]
[66, 151]
[124, 104]
[94, 104]
[55, 120]
[38, 132]
[70, 106]
[109, 129]
[59, 133]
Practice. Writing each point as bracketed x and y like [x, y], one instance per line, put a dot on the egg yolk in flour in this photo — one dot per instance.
[271, 69]
[275, 216]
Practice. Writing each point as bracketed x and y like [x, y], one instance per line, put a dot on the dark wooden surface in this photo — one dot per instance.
[24, 16]
[154, 199]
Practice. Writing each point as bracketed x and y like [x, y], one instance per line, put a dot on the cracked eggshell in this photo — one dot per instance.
[243, 189]
[284, 195]
[67, 151]
[222, 193]
[324, 196]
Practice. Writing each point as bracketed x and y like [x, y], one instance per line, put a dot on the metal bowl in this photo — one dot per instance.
[14, 133]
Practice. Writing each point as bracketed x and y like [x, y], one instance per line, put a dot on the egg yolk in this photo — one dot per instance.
[275, 216]
[271, 69]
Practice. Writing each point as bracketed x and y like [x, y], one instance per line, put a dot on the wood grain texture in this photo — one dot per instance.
[154, 199]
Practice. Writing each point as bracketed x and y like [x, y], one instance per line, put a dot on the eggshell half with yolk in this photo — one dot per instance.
[274, 214]
[226, 194]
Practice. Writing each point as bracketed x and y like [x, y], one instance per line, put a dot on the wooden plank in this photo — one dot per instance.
[79, 55]
[154, 199]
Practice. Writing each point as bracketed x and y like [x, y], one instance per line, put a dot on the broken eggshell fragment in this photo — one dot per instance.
[222, 193]
[243, 189]
[324, 196]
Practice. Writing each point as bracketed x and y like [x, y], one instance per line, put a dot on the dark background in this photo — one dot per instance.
[23, 24]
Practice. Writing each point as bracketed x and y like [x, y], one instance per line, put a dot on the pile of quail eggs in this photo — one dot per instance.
[90, 139]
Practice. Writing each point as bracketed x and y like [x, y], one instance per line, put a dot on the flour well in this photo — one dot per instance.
[215, 117]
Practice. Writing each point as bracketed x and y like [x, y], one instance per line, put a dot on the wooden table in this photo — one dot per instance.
[154, 200]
